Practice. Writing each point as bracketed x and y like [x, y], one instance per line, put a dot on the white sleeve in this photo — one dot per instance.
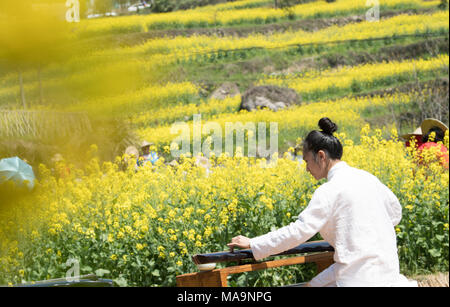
[393, 206]
[309, 222]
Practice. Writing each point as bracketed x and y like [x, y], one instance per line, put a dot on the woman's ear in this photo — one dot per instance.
[322, 155]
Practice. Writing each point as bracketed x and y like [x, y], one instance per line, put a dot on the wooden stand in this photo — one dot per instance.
[218, 277]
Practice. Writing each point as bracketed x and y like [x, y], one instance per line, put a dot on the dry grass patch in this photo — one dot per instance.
[433, 280]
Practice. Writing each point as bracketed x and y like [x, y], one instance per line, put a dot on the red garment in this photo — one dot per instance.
[418, 141]
[443, 156]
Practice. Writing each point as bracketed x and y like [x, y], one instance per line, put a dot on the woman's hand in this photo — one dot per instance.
[239, 241]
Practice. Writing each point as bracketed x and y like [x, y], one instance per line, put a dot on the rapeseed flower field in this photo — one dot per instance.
[142, 227]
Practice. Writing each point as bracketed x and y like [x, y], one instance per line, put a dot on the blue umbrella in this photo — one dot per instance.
[18, 171]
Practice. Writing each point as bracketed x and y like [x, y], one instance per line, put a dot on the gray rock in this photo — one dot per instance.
[227, 89]
[269, 96]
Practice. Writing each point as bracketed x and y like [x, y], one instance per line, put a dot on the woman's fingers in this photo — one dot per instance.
[239, 241]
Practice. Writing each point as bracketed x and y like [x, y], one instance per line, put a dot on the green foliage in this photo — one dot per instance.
[102, 6]
[289, 3]
[160, 6]
[443, 5]
[424, 245]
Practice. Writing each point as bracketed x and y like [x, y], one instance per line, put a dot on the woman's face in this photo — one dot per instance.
[316, 167]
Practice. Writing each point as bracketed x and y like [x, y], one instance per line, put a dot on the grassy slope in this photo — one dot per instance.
[251, 66]
[248, 67]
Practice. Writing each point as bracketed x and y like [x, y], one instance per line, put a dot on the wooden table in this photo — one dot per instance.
[218, 277]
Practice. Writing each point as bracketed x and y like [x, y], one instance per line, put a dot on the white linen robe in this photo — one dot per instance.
[356, 214]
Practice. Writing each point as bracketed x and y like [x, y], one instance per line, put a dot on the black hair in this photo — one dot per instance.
[439, 135]
[324, 140]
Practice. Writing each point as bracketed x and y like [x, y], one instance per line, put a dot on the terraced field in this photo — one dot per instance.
[121, 80]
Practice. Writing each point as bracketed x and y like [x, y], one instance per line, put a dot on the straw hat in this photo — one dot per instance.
[429, 123]
[407, 136]
[203, 162]
[132, 151]
[145, 144]
[57, 158]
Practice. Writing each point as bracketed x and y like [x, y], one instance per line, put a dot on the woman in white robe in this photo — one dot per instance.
[353, 211]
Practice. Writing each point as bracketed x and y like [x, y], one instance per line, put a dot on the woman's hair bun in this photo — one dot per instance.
[327, 126]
